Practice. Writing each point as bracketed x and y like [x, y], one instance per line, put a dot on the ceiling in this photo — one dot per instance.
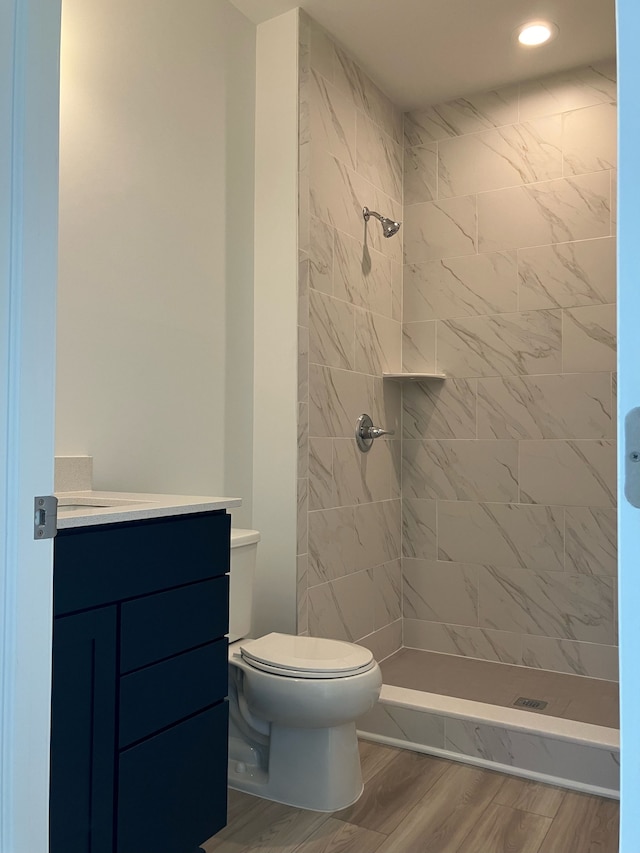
[422, 52]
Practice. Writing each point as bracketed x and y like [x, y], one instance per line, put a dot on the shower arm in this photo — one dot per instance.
[367, 213]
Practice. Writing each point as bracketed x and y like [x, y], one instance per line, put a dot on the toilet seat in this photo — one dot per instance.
[306, 657]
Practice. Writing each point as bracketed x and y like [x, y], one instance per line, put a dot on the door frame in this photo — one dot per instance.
[29, 96]
[628, 26]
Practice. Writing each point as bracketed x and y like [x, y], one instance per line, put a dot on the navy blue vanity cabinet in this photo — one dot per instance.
[139, 708]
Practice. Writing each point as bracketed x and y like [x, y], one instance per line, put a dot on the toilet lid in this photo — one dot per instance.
[306, 657]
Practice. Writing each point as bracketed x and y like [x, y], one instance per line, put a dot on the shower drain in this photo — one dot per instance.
[533, 704]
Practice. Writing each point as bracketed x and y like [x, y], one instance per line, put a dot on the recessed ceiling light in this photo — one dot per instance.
[536, 32]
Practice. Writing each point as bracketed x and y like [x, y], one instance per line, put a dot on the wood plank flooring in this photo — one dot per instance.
[415, 803]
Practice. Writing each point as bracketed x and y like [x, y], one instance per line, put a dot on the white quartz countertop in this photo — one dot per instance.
[78, 509]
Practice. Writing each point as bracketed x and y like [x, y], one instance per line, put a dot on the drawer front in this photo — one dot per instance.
[168, 623]
[172, 793]
[161, 695]
[113, 562]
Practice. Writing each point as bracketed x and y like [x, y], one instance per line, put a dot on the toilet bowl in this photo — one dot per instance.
[293, 703]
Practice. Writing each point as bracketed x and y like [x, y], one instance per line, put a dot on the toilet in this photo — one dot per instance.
[293, 703]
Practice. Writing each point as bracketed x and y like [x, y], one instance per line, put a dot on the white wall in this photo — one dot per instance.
[156, 238]
[275, 326]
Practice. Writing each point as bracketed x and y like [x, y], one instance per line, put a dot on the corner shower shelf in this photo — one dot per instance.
[413, 377]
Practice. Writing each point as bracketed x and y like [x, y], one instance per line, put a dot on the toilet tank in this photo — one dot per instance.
[244, 547]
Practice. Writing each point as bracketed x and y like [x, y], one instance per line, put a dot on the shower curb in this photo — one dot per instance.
[578, 756]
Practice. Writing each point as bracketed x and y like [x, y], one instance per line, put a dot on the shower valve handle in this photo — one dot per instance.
[376, 432]
[366, 432]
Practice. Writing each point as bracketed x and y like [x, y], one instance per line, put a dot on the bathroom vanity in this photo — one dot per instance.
[139, 710]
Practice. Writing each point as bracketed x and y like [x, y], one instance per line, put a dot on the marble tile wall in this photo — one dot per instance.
[508, 466]
[350, 303]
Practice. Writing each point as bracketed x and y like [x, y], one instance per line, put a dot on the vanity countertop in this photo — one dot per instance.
[130, 506]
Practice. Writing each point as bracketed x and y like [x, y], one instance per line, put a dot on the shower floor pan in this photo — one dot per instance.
[468, 714]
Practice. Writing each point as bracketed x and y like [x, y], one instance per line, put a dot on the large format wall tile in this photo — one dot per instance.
[360, 477]
[568, 473]
[332, 544]
[463, 640]
[350, 78]
[379, 157]
[303, 439]
[385, 641]
[440, 409]
[567, 275]
[387, 405]
[420, 175]
[391, 448]
[524, 331]
[461, 287]
[591, 540]
[461, 470]
[564, 406]
[569, 90]
[338, 194]
[302, 514]
[590, 659]
[589, 338]
[304, 271]
[362, 276]
[302, 624]
[303, 364]
[387, 593]
[333, 192]
[589, 139]
[501, 344]
[419, 347]
[321, 491]
[337, 398]
[342, 609]
[378, 533]
[507, 157]
[461, 116]
[440, 592]
[331, 331]
[440, 229]
[320, 47]
[549, 212]
[333, 120]
[530, 537]
[320, 255]
[419, 528]
[493, 270]
[550, 604]
[378, 343]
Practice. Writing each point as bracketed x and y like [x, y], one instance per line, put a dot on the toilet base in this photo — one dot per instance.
[317, 769]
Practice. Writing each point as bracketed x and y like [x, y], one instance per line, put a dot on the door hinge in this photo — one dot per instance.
[45, 516]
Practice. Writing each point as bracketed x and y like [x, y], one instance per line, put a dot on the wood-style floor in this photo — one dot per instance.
[415, 803]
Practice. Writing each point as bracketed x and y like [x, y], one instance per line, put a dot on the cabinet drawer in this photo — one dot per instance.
[113, 562]
[160, 626]
[173, 787]
[161, 695]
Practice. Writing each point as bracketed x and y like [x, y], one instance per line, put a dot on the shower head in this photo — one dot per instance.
[389, 226]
